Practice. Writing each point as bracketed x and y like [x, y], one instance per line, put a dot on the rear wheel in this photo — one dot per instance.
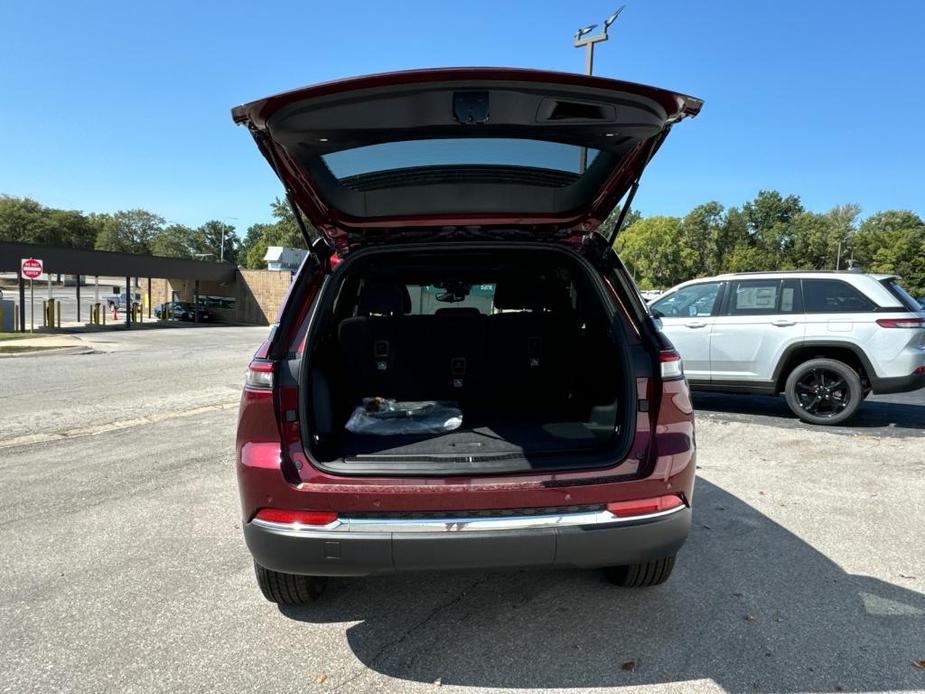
[648, 573]
[824, 391]
[289, 589]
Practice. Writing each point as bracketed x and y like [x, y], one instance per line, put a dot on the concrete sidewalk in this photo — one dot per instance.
[42, 343]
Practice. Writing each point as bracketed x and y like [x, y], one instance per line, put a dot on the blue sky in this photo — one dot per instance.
[109, 106]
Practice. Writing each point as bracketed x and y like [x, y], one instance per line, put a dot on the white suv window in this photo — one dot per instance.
[834, 296]
[763, 297]
[694, 300]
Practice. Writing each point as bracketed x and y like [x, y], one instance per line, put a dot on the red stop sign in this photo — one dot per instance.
[32, 268]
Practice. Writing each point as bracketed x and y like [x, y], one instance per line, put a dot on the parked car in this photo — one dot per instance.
[182, 310]
[571, 438]
[121, 300]
[922, 301]
[826, 340]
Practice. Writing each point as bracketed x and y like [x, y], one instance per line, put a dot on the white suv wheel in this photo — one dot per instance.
[824, 391]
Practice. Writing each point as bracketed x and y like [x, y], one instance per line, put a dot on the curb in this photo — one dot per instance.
[49, 352]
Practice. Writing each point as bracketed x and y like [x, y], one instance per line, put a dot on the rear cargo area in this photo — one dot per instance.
[521, 343]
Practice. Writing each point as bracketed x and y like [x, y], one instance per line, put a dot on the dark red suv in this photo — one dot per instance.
[463, 373]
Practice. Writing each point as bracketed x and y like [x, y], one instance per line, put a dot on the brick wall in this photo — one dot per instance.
[258, 294]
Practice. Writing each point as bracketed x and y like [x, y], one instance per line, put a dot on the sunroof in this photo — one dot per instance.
[454, 152]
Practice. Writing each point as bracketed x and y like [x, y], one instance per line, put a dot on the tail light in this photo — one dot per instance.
[901, 322]
[671, 365]
[281, 515]
[259, 375]
[643, 507]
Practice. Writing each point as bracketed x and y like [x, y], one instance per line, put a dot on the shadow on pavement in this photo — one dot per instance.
[904, 411]
[750, 606]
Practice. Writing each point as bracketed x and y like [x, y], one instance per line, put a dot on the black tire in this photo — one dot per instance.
[289, 589]
[644, 575]
[824, 391]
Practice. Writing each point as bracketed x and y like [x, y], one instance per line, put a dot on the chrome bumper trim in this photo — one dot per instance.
[456, 525]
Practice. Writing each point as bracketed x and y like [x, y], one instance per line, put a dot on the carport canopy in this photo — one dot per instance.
[88, 263]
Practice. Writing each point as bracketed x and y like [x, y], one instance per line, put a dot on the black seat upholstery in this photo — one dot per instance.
[423, 357]
[530, 342]
[517, 358]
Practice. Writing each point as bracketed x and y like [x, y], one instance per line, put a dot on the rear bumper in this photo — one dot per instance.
[898, 384]
[365, 548]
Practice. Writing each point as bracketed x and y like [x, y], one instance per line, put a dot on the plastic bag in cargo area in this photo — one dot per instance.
[383, 416]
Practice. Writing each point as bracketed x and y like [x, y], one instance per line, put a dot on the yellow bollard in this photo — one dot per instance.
[58, 311]
[103, 313]
[44, 313]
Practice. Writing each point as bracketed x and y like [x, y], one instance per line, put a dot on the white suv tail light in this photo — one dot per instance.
[901, 322]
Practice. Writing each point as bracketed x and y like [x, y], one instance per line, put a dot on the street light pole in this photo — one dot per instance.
[587, 42]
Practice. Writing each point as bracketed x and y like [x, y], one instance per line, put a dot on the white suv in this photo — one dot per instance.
[824, 339]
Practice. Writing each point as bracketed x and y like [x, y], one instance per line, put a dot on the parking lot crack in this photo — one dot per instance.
[396, 643]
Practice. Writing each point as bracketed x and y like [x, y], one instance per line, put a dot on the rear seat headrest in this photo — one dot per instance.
[383, 299]
[458, 311]
[530, 295]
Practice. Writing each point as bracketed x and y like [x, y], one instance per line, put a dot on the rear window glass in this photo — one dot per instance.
[427, 299]
[452, 152]
[834, 296]
[905, 298]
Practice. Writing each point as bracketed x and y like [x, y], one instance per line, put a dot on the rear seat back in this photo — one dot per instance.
[422, 357]
[530, 343]
[367, 340]
[441, 355]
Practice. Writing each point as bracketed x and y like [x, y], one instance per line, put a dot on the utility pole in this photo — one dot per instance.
[221, 257]
[582, 40]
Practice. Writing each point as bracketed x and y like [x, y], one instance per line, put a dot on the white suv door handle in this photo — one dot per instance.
[783, 323]
[695, 324]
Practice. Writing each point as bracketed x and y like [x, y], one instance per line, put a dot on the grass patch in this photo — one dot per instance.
[17, 336]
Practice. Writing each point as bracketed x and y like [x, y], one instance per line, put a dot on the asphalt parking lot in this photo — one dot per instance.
[124, 569]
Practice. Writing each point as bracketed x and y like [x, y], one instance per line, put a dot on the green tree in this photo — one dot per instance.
[129, 231]
[654, 251]
[608, 224]
[27, 221]
[209, 238]
[701, 230]
[174, 241]
[770, 225]
[893, 241]
[814, 242]
[283, 232]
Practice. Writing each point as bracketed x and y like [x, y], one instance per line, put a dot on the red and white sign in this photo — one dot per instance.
[32, 268]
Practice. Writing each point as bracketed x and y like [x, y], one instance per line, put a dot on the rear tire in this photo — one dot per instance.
[824, 391]
[644, 575]
[289, 589]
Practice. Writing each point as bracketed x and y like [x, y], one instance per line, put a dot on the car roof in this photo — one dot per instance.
[770, 274]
